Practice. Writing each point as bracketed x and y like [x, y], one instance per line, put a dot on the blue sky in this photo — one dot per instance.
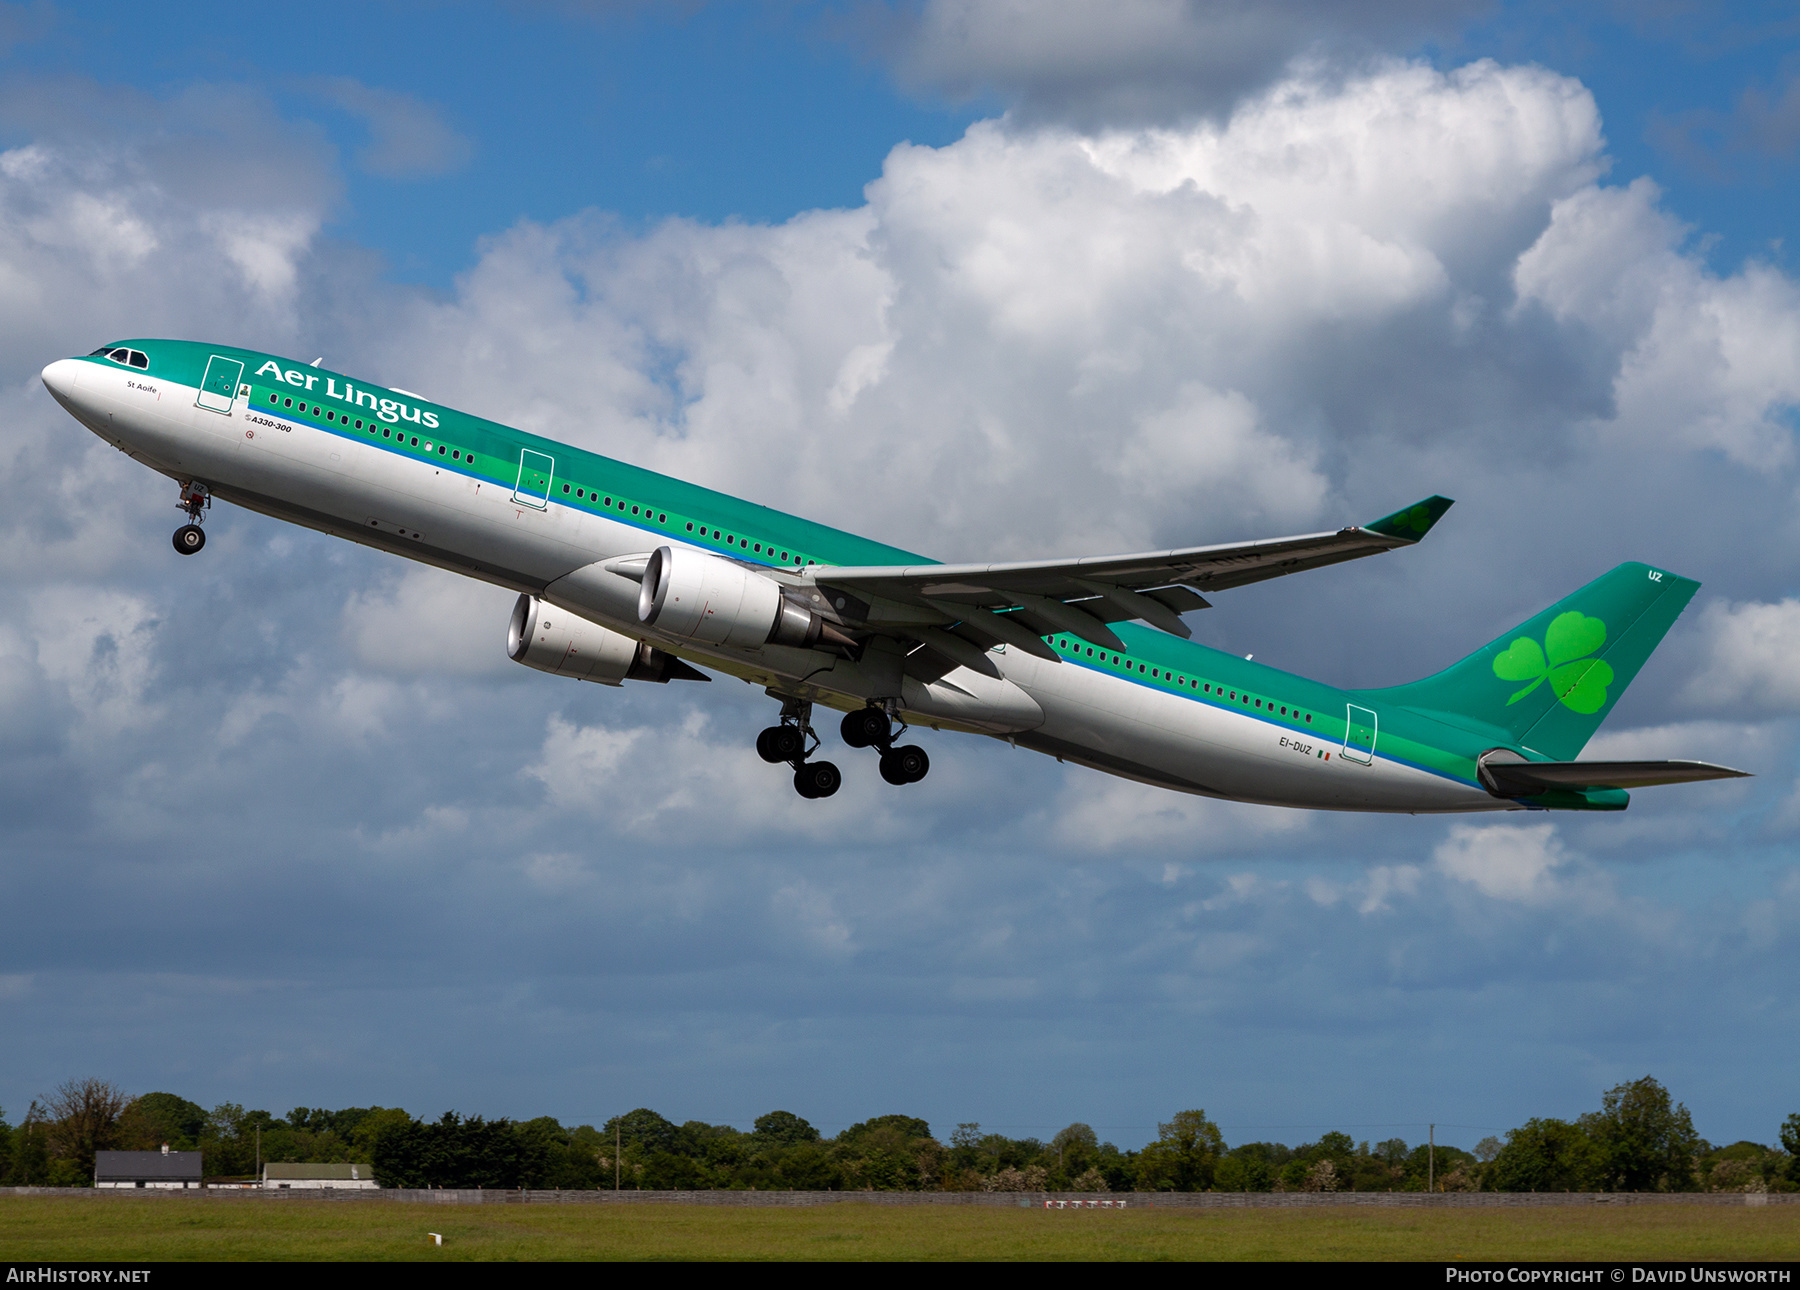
[757, 112]
[282, 826]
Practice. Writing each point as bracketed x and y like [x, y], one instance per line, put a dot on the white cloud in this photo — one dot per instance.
[1742, 744]
[1149, 306]
[424, 621]
[1371, 892]
[1708, 362]
[1750, 657]
[1101, 813]
[680, 785]
[1510, 862]
[98, 648]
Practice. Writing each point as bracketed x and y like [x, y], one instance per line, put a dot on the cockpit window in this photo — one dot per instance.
[130, 357]
[139, 358]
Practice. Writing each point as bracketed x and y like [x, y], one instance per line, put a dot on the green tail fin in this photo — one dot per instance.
[1549, 682]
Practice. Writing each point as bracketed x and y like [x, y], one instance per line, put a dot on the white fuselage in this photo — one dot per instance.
[354, 489]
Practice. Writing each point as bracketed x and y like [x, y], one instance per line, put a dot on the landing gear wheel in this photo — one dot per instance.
[817, 779]
[780, 743]
[189, 538]
[866, 728]
[906, 765]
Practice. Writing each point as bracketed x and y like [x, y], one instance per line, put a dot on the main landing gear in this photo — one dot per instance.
[873, 728]
[794, 742]
[190, 537]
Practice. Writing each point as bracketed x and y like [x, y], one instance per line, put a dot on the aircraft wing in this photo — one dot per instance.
[1018, 603]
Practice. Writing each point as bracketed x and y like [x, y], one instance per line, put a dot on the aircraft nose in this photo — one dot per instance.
[59, 379]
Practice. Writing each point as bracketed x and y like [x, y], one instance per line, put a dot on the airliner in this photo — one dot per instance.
[628, 575]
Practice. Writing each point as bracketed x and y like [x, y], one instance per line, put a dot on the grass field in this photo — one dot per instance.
[49, 1228]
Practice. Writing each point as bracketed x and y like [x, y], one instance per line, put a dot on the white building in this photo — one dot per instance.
[165, 1169]
[356, 1177]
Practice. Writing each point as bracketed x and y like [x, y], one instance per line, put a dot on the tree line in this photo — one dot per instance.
[1638, 1140]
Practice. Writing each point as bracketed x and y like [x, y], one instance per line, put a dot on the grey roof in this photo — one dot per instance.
[146, 1166]
[319, 1173]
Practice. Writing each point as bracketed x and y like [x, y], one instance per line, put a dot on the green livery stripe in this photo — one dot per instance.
[1201, 674]
[744, 530]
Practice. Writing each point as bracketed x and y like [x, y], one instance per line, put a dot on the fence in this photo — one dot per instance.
[1030, 1200]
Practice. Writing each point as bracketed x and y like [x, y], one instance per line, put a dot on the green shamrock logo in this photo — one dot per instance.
[1417, 518]
[1576, 679]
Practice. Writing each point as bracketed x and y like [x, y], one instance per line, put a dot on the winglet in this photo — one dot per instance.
[1412, 522]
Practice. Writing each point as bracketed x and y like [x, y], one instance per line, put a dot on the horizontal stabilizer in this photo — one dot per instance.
[1529, 778]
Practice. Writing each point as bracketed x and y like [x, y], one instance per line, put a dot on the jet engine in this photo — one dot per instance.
[703, 598]
[555, 640]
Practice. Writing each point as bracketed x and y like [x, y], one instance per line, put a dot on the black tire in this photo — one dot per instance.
[781, 743]
[765, 745]
[905, 765]
[818, 779]
[189, 538]
[865, 728]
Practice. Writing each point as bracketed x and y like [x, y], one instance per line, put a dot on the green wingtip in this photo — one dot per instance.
[1412, 522]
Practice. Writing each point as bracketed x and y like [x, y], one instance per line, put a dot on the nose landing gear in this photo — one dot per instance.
[190, 537]
[789, 742]
[874, 728]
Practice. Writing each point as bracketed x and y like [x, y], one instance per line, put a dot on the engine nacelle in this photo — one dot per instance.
[555, 640]
[705, 599]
